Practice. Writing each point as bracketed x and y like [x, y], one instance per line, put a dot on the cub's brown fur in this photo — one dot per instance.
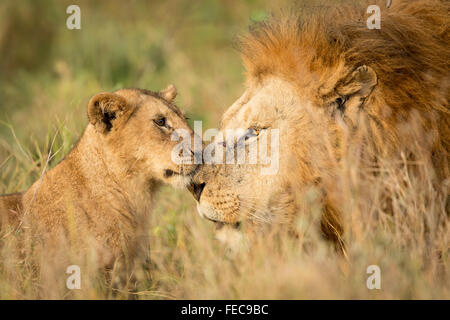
[101, 194]
[10, 207]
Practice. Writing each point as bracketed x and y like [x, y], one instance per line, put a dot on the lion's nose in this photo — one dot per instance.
[196, 189]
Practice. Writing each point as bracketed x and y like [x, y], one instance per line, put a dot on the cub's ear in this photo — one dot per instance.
[107, 110]
[169, 93]
[360, 83]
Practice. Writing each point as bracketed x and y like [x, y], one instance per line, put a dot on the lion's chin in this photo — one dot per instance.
[231, 237]
[219, 225]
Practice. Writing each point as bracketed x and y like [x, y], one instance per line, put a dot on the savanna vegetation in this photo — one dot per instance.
[47, 76]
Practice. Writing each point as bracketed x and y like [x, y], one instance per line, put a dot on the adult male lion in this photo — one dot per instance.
[100, 196]
[333, 87]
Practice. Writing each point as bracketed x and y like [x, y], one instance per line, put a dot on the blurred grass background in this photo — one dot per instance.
[48, 73]
[47, 76]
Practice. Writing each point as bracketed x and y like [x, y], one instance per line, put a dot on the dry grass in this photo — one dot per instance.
[42, 113]
[409, 241]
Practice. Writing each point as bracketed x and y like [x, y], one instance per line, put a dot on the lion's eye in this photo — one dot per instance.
[160, 121]
[252, 132]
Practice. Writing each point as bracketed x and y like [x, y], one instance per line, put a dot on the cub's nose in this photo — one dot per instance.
[196, 189]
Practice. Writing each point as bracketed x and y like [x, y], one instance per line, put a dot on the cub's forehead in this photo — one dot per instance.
[139, 96]
[143, 96]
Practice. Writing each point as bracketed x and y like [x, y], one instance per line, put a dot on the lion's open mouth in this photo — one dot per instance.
[169, 173]
[179, 180]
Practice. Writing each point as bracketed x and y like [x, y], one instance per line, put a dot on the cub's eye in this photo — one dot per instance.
[161, 122]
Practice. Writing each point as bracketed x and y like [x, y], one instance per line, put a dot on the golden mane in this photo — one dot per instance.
[410, 53]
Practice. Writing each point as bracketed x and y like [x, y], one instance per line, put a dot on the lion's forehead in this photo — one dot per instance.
[267, 103]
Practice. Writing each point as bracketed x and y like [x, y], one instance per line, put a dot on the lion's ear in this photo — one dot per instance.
[106, 110]
[169, 93]
[360, 83]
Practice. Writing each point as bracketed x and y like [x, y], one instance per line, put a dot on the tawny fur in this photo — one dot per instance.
[100, 196]
[330, 84]
[410, 55]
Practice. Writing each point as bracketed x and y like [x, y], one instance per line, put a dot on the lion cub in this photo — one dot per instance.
[101, 194]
